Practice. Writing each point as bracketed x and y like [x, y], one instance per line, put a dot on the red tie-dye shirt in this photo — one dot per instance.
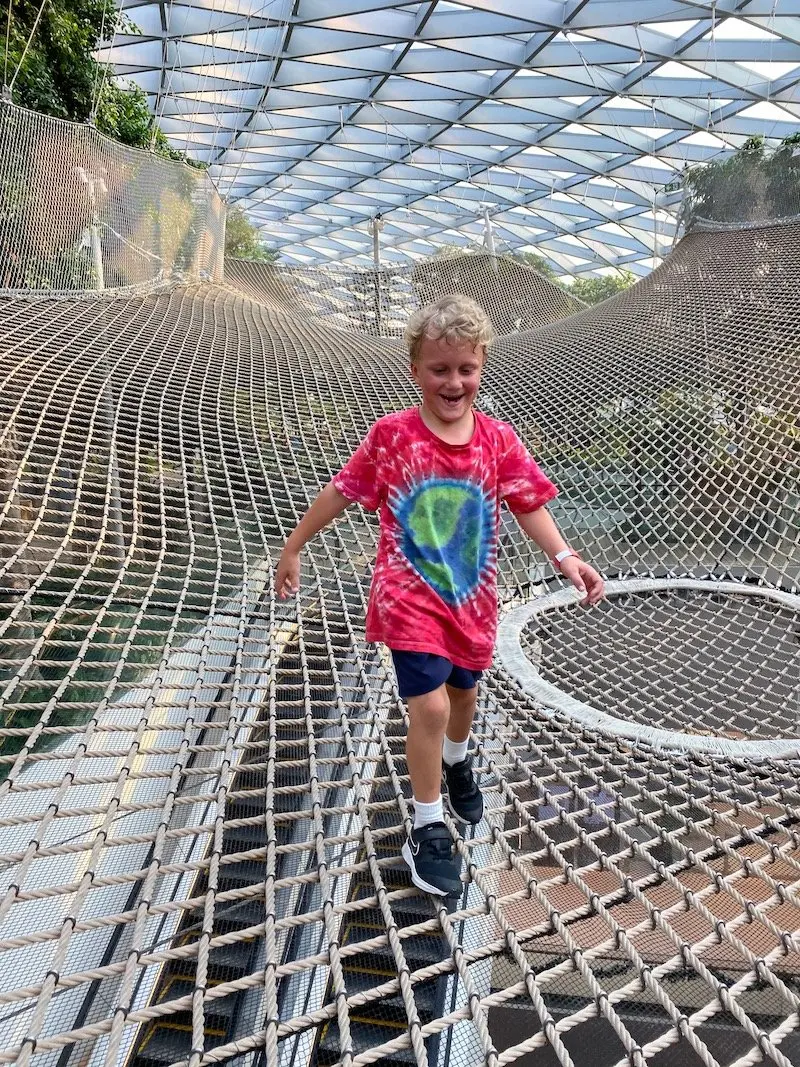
[434, 588]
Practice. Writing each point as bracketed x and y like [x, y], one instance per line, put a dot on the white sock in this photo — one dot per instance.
[454, 751]
[425, 814]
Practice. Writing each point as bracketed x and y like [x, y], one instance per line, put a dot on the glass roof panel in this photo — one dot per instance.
[351, 108]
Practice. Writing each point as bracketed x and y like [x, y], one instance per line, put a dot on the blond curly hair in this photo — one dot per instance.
[455, 317]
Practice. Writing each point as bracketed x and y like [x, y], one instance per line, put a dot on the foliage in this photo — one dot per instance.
[752, 185]
[43, 237]
[595, 290]
[243, 241]
[535, 262]
[65, 268]
[59, 75]
[123, 113]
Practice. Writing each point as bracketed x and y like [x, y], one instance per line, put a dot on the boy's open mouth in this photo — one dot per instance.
[452, 400]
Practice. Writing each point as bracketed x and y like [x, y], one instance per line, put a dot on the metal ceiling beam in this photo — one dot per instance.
[398, 107]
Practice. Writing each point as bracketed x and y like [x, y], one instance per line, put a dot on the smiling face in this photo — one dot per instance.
[449, 376]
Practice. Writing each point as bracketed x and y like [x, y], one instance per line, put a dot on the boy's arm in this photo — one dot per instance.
[539, 526]
[324, 510]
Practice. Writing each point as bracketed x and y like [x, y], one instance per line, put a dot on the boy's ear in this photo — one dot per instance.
[414, 370]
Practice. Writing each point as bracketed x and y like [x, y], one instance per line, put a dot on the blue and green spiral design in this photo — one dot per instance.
[448, 526]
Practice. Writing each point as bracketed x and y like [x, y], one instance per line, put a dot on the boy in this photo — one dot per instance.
[438, 473]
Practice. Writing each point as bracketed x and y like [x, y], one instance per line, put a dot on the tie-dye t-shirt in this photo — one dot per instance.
[434, 588]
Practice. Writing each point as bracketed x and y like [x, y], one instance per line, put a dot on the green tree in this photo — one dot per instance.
[595, 290]
[752, 185]
[243, 241]
[57, 74]
[123, 113]
[535, 262]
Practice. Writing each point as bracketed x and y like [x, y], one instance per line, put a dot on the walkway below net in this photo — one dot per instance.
[204, 789]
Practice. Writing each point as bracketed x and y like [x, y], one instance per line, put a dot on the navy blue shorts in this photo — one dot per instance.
[422, 672]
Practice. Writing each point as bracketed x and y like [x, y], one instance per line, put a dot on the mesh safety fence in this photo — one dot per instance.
[380, 302]
[204, 789]
[752, 185]
[80, 211]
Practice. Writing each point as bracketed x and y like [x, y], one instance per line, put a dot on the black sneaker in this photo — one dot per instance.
[464, 798]
[429, 853]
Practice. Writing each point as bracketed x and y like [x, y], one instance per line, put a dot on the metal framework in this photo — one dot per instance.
[563, 119]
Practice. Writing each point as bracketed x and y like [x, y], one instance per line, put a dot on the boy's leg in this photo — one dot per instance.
[428, 717]
[464, 797]
[463, 705]
[429, 849]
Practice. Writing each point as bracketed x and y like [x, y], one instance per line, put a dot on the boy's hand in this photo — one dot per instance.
[585, 579]
[287, 574]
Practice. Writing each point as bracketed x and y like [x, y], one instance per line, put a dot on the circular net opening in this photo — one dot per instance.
[680, 660]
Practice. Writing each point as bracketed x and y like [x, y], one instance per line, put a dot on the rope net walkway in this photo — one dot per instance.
[204, 790]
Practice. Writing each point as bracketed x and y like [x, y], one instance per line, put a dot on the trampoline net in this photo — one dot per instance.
[204, 789]
[679, 660]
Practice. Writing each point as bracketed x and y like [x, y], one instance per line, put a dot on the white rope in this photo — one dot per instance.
[281, 41]
[28, 42]
[207, 784]
[98, 67]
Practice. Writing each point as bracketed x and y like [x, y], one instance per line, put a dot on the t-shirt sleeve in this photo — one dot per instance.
[358, 479]
[523, 485]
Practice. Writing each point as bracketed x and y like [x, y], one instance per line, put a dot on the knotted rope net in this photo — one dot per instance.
[380, 302]
[204, 789]
[80, 211]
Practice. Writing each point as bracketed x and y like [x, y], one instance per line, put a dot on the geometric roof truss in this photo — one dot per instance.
[568, 126]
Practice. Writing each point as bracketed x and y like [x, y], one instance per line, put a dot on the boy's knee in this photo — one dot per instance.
[431, 711]
[462, 698]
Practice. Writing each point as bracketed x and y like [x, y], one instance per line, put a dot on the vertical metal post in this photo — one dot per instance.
[656, 256]
[488, 237]
[115, 531]
[377, 226]
[94, 232]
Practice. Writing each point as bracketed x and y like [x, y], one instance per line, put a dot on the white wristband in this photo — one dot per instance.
[565, 553]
